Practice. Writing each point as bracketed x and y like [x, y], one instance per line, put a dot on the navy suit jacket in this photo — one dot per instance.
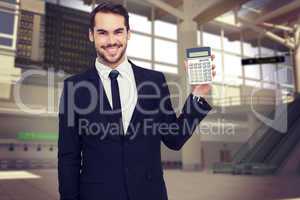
[96, 165]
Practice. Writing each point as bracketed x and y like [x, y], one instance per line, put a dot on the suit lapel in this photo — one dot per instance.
[103, 105]
[136, 115]
[94, 77]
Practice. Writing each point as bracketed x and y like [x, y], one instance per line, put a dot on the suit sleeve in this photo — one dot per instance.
[69, 150]
[184, 125]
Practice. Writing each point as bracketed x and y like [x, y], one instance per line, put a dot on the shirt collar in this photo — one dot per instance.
[103, 70]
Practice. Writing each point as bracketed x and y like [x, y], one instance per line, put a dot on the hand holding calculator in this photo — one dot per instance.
[199, 65]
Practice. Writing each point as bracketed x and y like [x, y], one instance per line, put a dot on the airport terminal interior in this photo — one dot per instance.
[248, 147]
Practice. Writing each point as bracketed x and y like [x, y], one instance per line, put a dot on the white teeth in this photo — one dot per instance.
[112, 49]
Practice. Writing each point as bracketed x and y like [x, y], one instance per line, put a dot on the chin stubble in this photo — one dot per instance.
[102, 58]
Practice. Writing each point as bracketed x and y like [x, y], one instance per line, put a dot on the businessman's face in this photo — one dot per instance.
[110, 37]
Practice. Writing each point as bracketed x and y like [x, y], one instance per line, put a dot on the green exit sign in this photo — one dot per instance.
[37, 136]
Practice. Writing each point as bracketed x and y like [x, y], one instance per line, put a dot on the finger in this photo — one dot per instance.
[185, 65]
[212, 56]
[214, 73]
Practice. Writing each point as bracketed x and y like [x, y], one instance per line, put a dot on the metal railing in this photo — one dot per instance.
[250, 144]
[286, 145]
[254, 139]
[274, 138]
[244, 100]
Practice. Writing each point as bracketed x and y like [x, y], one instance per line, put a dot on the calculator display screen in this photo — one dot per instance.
[197, 54]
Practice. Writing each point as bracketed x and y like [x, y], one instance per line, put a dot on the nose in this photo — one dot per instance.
[111, 39]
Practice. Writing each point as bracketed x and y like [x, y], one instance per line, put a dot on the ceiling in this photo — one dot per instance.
[225, 13]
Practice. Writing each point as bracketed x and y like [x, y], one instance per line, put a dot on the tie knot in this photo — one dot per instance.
[113, 74]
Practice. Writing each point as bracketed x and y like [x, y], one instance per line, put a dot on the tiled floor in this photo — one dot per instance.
[181, 186]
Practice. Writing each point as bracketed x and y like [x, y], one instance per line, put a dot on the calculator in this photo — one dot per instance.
[199, 65]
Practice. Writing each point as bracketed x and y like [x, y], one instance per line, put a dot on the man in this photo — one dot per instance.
[113, 118]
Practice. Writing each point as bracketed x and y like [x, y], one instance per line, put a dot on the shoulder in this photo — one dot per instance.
[148, 74]
[75, 78]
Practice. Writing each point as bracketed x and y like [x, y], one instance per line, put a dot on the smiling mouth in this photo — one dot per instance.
[112, 50]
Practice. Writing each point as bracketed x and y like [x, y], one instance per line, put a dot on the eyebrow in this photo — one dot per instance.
[102, 30]
[119, 29]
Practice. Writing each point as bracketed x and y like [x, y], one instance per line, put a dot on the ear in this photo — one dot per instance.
[91, 36]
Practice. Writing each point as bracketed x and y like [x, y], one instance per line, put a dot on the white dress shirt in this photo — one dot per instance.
[127, 88]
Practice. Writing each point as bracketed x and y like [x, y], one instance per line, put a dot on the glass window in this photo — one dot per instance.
[211, 40]
[232, 65]
[230, 80]
[249, 50]
[232, 46]
[233, 95]
[6, 41]
[269, 72]
[139, 23]
[226, 95]
[76, 4]
[266, 52]
[165, 68]
[165, 29]
[253, 83]
[7, 23]
[288, 59]
[10, 1]
[217, 94]
[199, 38]
[290, 77]
[285, 76]
[218, 62]
[139, 46]
[269, 86]
[143, 64]
[252, 71]
[166, 51]
[232, 69]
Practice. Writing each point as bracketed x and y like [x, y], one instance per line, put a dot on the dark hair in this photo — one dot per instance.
[108, 7]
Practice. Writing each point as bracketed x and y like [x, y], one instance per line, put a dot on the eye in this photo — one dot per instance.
[119, 32]
[101, 32]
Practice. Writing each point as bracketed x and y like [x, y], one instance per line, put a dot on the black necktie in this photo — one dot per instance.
[116, 102]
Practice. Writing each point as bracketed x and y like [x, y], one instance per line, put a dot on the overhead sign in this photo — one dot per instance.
[265, 60]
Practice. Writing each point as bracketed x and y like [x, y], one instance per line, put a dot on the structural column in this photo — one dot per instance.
[297, 68]
[187, 32]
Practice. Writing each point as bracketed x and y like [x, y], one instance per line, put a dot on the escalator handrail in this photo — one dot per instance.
[291, 132]
[260, 131]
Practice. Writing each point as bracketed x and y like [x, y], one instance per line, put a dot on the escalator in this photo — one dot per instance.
[266, 149]
[286, 155]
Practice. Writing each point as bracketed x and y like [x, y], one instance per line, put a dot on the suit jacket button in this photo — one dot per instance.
[149, 176]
